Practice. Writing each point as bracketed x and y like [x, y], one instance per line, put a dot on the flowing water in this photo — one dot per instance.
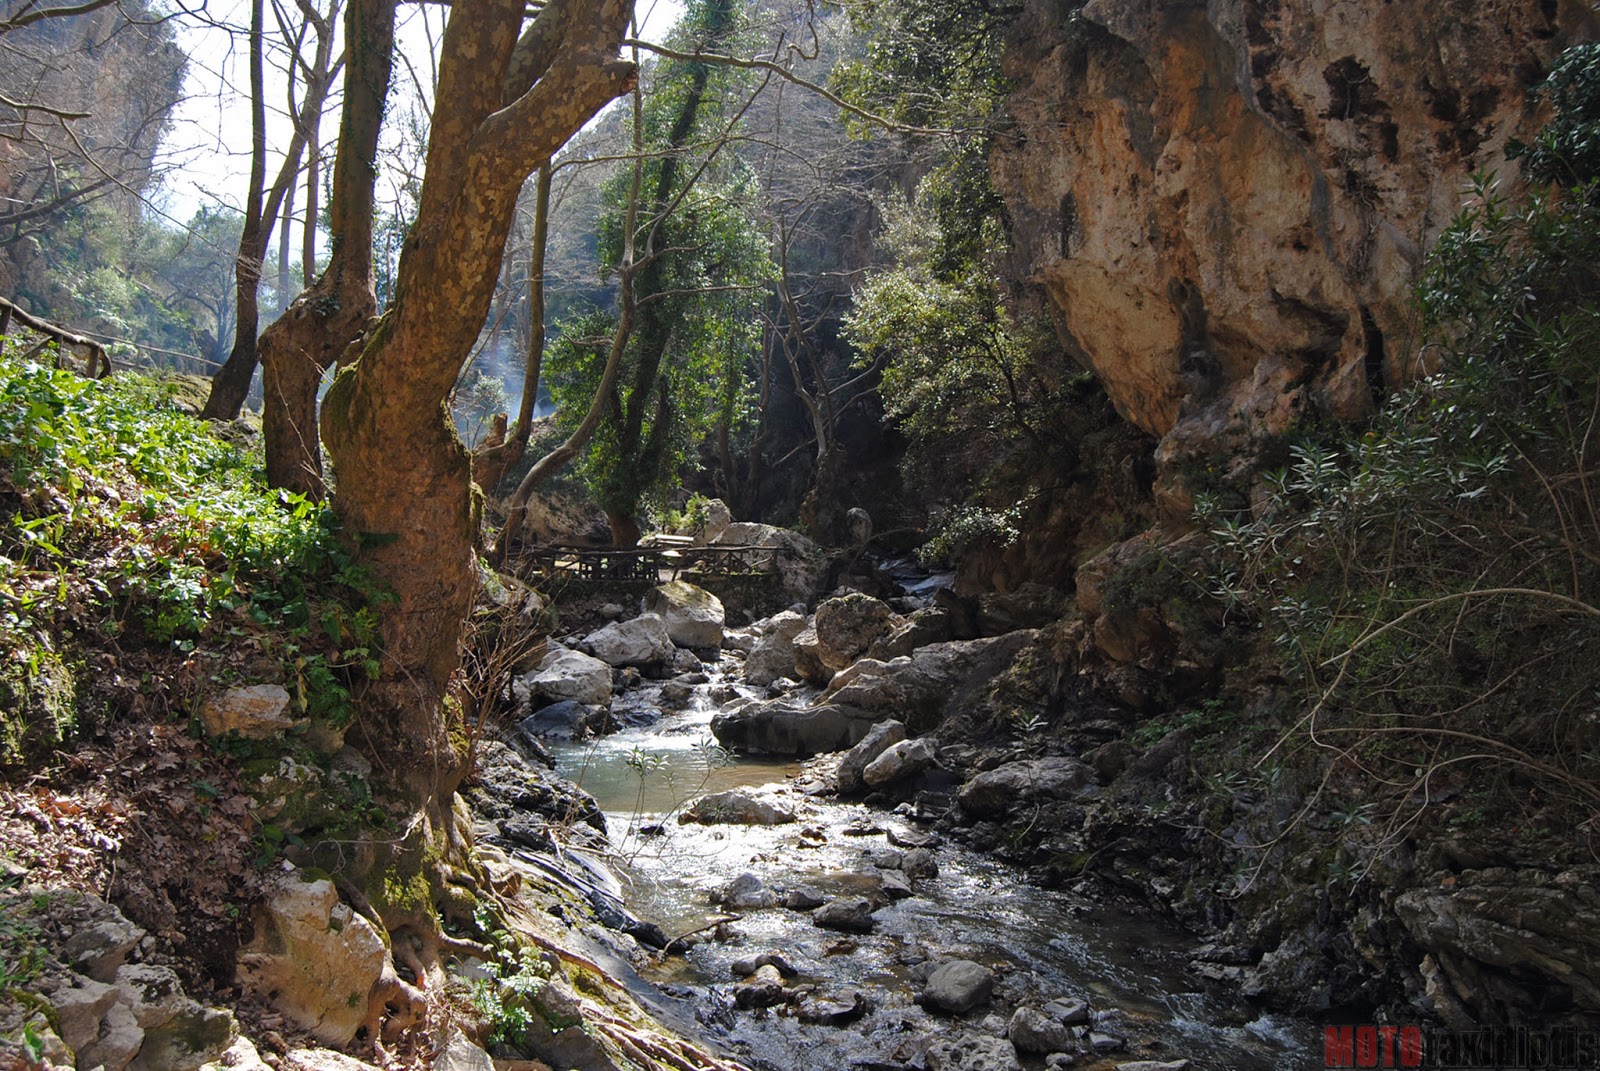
[1044, 945]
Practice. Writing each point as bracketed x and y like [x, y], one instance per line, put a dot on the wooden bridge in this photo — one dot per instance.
[669, 559]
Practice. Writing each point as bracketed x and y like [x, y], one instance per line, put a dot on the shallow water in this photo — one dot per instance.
[1044, 944]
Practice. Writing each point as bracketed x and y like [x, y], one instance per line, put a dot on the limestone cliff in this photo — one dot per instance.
[1223, 206]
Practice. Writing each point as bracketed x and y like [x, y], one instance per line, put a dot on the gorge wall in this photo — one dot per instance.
[1223, 206]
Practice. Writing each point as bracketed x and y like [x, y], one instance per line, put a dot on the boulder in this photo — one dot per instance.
[879, 739]
[776, 727]
[100, 939]
[993, 793]
[858, 526]
[568, 674]
[566, 720]
[747, 892]
[900, 761]
[957, 986]
[737, 807]
[642, 641]
[801, 564]
[852, 915]
[256, 712]
[312, 958]
[773, 655]
[919, 863]
[763, 989]
[718, 517]
[1031, 605]
[803, 898]
[1035, 1030]
[970, 1052]
[460, 1053]
[841, 632]
[694, 617]
[918, 630]
[934, 680]
[240, 1056]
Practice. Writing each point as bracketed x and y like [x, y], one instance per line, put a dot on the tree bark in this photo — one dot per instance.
[404, 493]
[330, 315]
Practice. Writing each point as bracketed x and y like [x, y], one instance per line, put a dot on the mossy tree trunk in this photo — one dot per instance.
[404, 478]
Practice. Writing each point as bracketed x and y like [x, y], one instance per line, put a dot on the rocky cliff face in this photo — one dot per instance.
[1223, 206]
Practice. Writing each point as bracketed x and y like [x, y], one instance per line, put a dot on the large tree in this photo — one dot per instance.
[503, 106]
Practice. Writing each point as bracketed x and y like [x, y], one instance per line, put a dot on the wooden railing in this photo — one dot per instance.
[652, 564]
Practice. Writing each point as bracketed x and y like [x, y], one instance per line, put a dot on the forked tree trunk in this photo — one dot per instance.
[404, 478]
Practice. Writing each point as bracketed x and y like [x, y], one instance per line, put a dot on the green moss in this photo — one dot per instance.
[40, 693]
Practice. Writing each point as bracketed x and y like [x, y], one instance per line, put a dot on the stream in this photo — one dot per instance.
[1043, 945]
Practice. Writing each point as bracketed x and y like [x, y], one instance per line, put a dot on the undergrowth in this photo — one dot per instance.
[127, 529]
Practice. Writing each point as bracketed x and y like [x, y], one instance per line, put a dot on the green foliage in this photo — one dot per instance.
[512, 981]
[1432, 579]
[123, 519]
[702, 270]
[1567, 151]
[22, 950]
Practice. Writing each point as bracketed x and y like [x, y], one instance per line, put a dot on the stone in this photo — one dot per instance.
[851, 915]
[685, 661]
[970, 1052]
[1029, 605]
[568, 674]
[461, 1054]
[747, 892]
[1057, 1061]
[743, 968]
[777, 727]
[936, 680]
[1035, 1030]
[1316, 126]
[821, 1011]
[910, 838]
[566, 720]
[742, 640]
[117, 1043]
[80, 1008]
[900, 761]
[321, 1060]
[100, 940]
[763, 989]
[694, 617]
[737, 806]
[193, 1037]
[957, 986]
[921, 628]
[802, 565]
[312, 958]
[675, 695]
[842, 630]
[642, 641]
[894, 885]
[1102, 1043]
[718, 517]
[772, 657]
[994, 793]
[803, 898]
[255, 712]
[1069, 1012]
[852, 767]
[239, 1056]
[919, 863]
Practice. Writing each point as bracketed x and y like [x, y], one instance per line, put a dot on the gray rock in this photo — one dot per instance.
[772, 657]
[802, 565]
[850, 915]
[763, 989]
[1034, 1030]
[957, 986]
[119, 1040]
[919, 863]
[1104, 1043]
[100, 940]
[970, 1052]
[935, 680]
[80, 1008]
[858, 525]
[1069, 1012]
[566, 720]
[676, 694]
[640, 642]
[919, 630]
[1058, 1061]
[803, 898]
[777, 727]
[884, 858]
[718, 517]
[910, 838]
[900, 761]
[744, 968]
[693, 615]
[878, 739]
[817, 1011]
[461, 1054]
[747, 892]
[840, 633]
[994, 793]
[737, 806]
[894, 885]
[686, 662]
[568, 674]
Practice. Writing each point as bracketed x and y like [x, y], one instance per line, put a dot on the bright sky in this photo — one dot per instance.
[210, 137]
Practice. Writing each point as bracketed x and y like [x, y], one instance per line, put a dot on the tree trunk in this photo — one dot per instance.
[329, 316]
[404, 492]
